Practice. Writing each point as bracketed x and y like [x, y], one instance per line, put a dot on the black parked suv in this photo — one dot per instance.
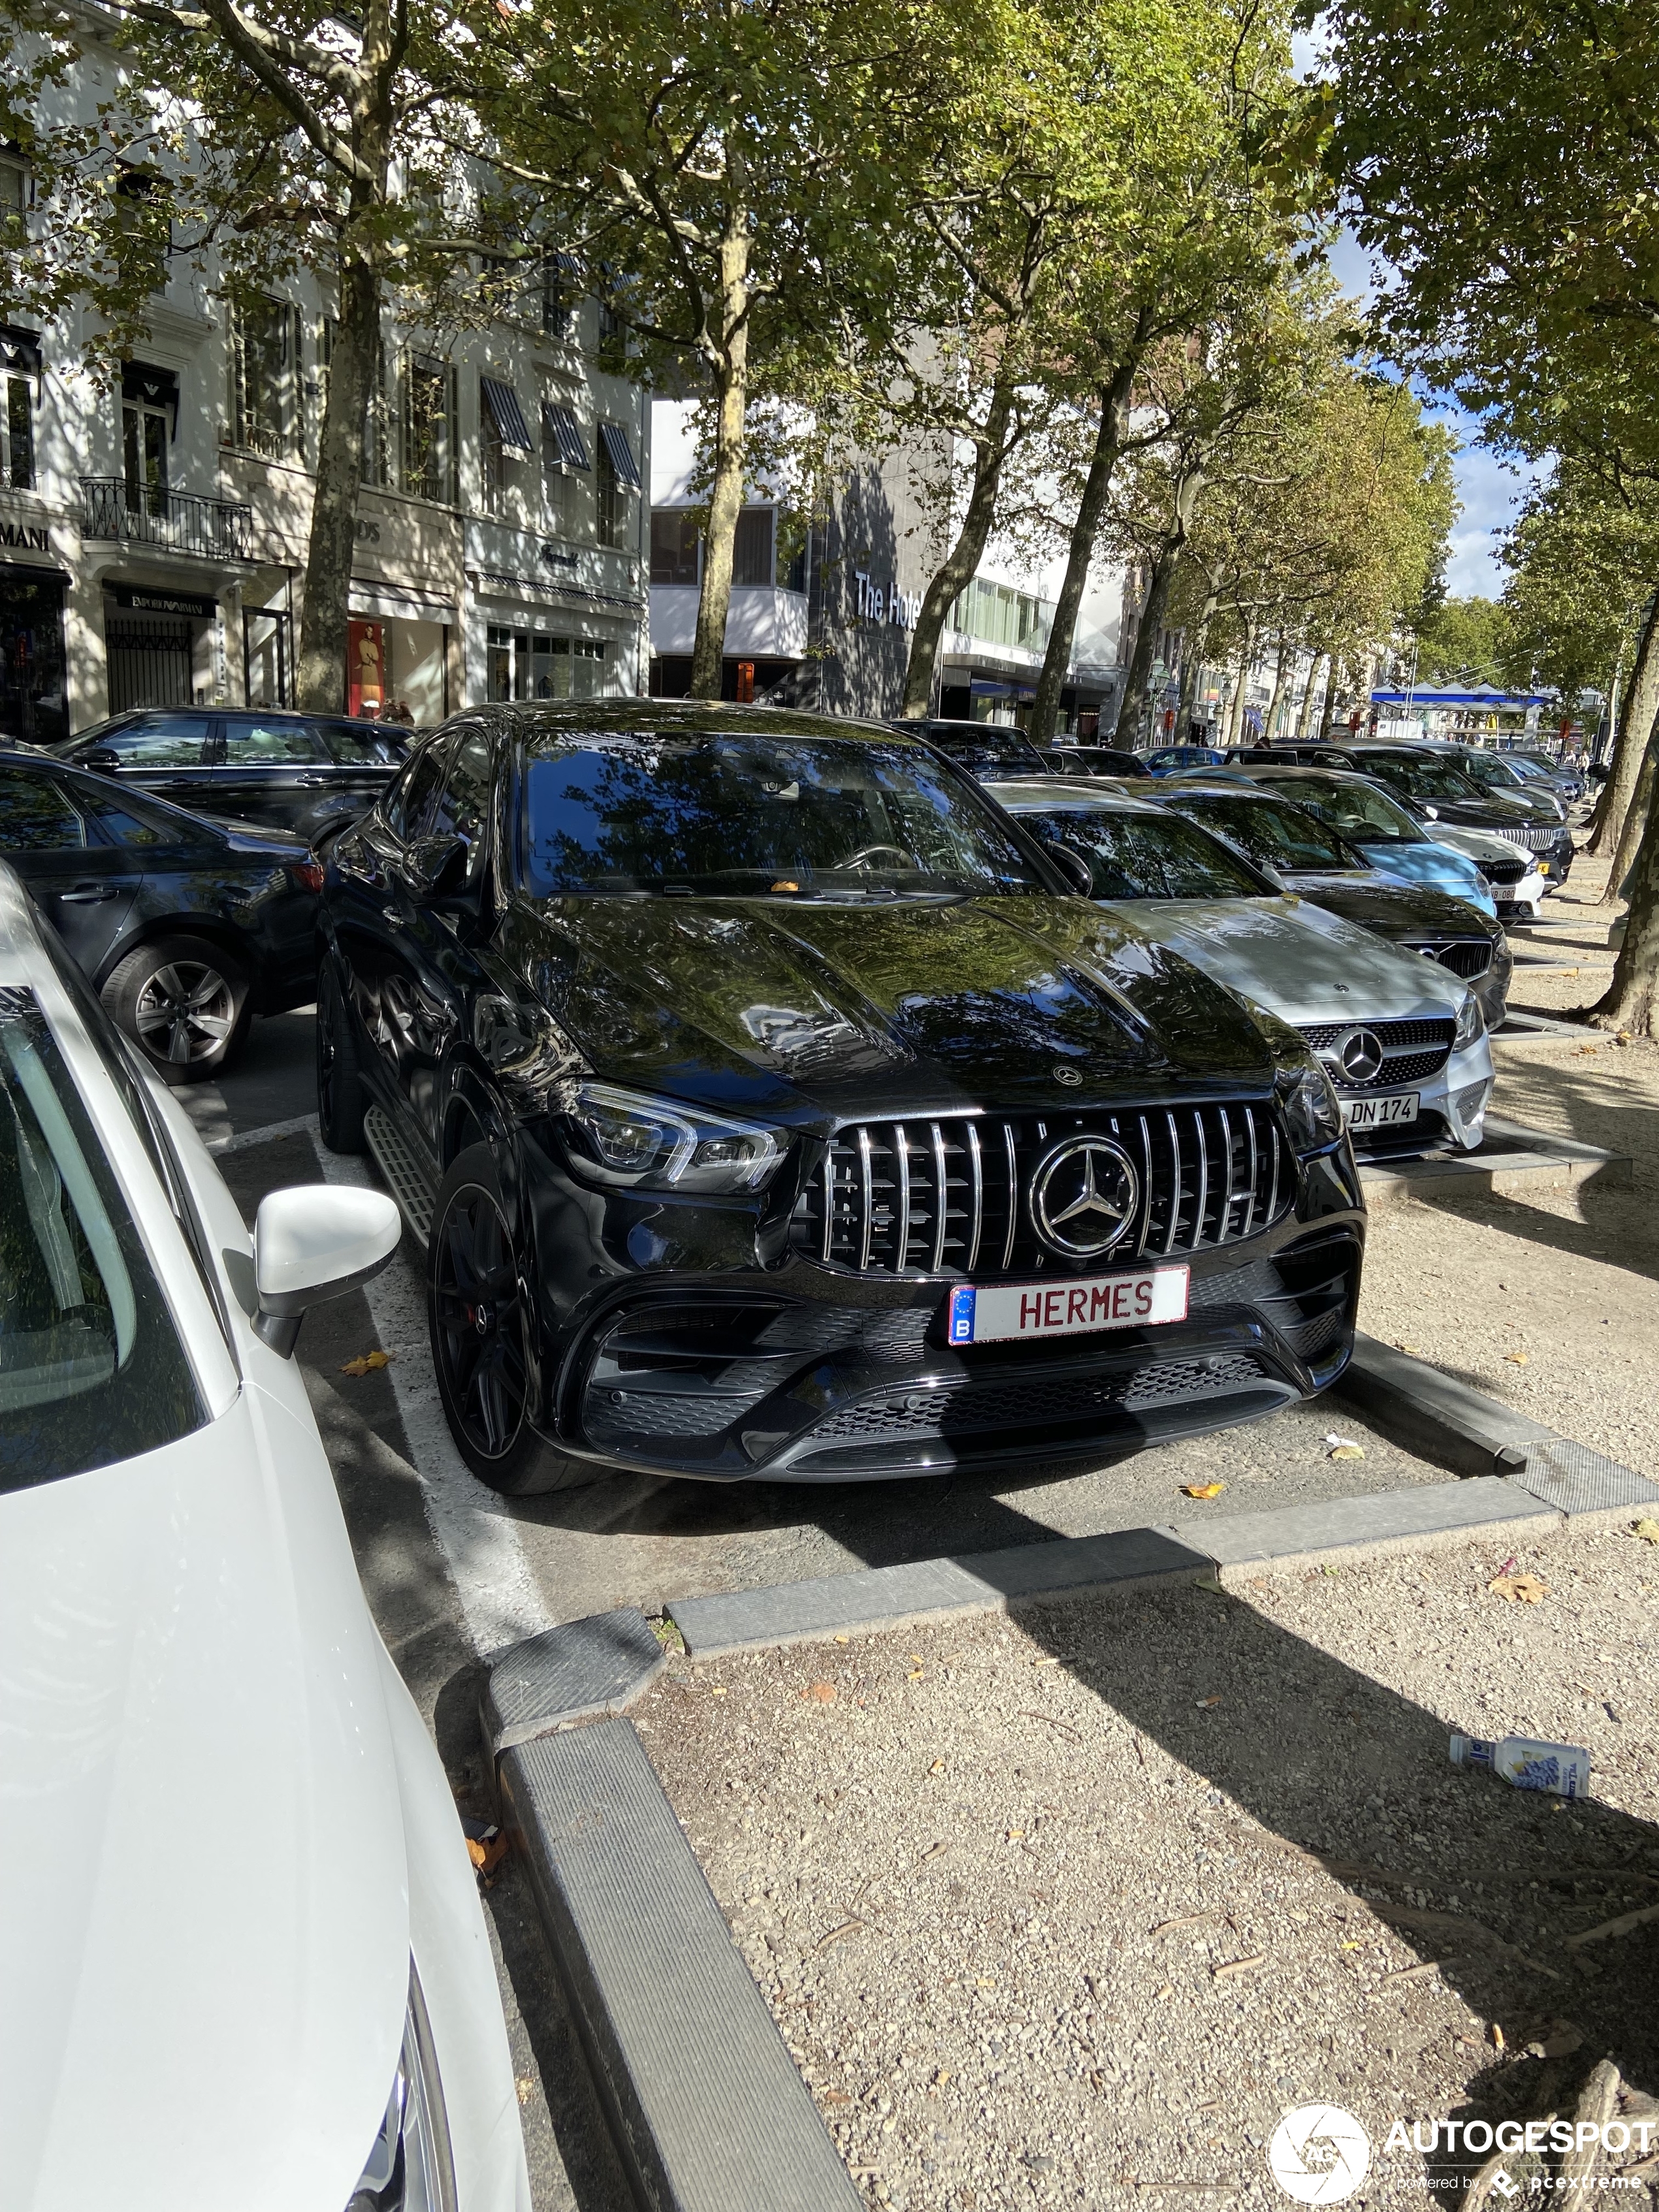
[1435, 789]
[987, 750]
[187, 928]
[308, 773]
[771, 1109]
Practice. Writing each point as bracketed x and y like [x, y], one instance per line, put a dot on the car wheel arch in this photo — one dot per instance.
[209, 929]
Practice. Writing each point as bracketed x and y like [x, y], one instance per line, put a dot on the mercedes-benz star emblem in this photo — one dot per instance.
[1360, 1056]
[1084, 1197]
[1068, 1076]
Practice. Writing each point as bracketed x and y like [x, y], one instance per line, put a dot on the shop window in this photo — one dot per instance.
[267, 657]
[507, 651]
[377, 440]
[428, 441]
[587, 671]
[264, 412]
[20, 377]
[504, 443]
[751, 550]
[675, 541]
[549, 668]
[365, 668]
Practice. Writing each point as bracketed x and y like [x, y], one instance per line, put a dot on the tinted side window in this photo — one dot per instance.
[409, 806]
[253, 742]
[170, 741]
[35, 817]
[463, 809]
[127, 818]
[356, 744]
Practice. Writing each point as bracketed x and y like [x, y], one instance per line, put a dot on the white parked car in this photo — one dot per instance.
[241, 1949]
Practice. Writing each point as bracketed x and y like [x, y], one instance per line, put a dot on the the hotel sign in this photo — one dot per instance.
[878, 602]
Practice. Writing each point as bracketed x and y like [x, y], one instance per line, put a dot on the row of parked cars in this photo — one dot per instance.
[773, 1100]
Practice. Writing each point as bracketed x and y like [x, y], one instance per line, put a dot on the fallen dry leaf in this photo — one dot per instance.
[1415, 1350]
[821, 1693]
[1527, 1589]
[1202, 1489]
[1647, 1529]
[487, 1854]
[1205, 1704]
[367, 1362]
[1518, 1359]
[717, 1692]
[836, 2097]
[938, 1767]
[1348, 1451]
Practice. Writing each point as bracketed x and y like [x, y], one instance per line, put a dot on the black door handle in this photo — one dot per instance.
[87, 894]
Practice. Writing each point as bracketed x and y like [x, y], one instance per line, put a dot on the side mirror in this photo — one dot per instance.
[439, 864]
[1431, 813]
[1075, 869]
[314, 1243]
[100, 760]
[1267, 868]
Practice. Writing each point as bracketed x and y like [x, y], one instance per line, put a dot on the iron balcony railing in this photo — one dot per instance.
[953, 1195]
[173, 521]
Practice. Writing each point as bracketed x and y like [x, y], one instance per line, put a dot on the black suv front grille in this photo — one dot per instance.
[952, 1196]
[1468, 956]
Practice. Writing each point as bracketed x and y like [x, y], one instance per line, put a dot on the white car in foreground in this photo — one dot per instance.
[242, 1954]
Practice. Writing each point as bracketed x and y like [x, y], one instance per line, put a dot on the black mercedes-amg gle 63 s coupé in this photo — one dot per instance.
[772, 1107]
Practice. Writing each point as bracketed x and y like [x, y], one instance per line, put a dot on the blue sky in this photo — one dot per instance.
[1488, 489]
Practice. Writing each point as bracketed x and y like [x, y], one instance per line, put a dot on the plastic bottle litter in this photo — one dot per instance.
[1560, 1769]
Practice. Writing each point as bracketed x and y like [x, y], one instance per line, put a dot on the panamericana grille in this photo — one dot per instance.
[1468, 956]
[952, 1196]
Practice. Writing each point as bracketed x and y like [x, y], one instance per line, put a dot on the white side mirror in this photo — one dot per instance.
[314, 1243]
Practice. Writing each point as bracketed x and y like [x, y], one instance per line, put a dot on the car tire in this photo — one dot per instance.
[342, 1101]
[183, 1003]
[477, 1313]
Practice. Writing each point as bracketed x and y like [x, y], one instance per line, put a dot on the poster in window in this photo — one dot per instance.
[365, 668]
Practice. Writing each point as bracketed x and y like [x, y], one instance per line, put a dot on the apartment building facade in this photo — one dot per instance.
[821, 615]
[154, 525]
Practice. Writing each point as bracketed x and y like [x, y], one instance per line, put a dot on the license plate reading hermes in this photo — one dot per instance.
[1380, 1112]
[995, 1314]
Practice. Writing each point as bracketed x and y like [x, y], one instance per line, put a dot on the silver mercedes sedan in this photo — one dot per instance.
[1403, 1040]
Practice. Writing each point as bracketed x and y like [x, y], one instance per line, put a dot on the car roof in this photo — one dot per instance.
[1023, 794]
[652, 717]
[1298, 771]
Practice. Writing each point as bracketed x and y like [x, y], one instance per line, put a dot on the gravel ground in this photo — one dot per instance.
[1059, 1913]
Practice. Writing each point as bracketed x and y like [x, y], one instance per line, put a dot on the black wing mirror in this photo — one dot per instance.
[1075, 869]
[438, 865]
[101, 761]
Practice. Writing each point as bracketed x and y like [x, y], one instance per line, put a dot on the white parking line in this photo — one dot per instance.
[500, 1599]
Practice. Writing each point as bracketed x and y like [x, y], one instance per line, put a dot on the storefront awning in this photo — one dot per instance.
[566, 433]
[507, 416]
[393, 603]
[620, 455]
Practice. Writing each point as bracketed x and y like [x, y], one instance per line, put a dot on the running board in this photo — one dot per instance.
[406, 1175]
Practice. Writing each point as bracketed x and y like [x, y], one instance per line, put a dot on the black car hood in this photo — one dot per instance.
[1391, 909]
[1488, 813]
[847, 1008]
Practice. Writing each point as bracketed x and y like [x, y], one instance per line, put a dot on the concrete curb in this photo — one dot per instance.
[579, 1671]
[708, 2110]
[1530, 1159]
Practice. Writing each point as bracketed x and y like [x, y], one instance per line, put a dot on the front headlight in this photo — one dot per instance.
[1311, 1112]
[1471, 1023]
[410, 2168]
[650, 1144]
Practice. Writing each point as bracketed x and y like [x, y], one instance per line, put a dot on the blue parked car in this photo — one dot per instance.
[1391, 840]
[1173, 760]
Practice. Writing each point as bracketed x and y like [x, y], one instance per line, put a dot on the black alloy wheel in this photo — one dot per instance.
[341, 1101]
[476, 1308]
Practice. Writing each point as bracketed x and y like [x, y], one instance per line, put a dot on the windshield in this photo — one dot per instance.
[984, 744]
[1269, 832]
[1145, 856]
[1419, 775]
[1359, 811]
[91, 1367]
[1491, 775]
[689, 814]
